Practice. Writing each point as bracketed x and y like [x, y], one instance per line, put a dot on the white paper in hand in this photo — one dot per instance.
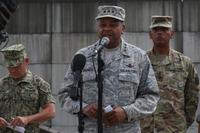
[17, 128]
[108, 108]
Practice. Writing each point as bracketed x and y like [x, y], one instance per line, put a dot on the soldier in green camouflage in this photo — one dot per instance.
[129, 83]
[22, 94]
[177, 80]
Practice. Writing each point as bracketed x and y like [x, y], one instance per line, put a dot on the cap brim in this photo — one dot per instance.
[12, 63]
[165, 26]
[109, 16]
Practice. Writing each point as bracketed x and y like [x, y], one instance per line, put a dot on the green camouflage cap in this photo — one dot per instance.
[14, 55]
[111, 11]
[161, 21]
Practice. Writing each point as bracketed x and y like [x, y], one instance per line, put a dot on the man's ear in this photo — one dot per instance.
[123, 28]
[172, 34]
[26, 60]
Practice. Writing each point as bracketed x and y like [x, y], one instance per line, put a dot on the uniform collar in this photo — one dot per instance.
[124, 50]
[27, 78]
[158, 59]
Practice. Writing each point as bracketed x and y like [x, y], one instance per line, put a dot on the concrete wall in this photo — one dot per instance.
[53, 30]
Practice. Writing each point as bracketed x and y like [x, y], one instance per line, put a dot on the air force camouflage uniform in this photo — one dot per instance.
[23, 97]
[179, 85]
[128, 81]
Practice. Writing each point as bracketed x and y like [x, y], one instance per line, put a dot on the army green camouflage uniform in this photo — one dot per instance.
[23, 98]
[129, 82]
[179, 85]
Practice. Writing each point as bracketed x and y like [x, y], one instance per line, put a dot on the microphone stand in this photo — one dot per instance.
[100, 92]
[80, 113]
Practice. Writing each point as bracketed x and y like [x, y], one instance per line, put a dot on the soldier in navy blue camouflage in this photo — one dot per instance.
[177, 80]
[23, 94]
[129, 83]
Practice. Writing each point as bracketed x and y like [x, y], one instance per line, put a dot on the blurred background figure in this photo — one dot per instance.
[23, 94]
[177, 80]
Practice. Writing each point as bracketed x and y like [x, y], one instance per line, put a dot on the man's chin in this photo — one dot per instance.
[16, 77]
[160, 43]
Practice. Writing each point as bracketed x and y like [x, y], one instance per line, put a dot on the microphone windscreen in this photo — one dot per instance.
[104, 41]
[10, 4]
[78, 62]
[7, 7]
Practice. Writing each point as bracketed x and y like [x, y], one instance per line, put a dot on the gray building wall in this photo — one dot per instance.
[53, 30]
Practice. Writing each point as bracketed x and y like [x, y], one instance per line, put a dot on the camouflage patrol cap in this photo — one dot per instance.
[115, 12]
[161, 21]
[14, 55]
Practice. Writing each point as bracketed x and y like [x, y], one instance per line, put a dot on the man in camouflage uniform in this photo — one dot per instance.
[177, 80]
[129, 84]
[22, 94]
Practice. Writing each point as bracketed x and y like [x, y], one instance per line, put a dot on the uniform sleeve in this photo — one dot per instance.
[45, 95]
[66, 103]
[147, 95]
[191, 94]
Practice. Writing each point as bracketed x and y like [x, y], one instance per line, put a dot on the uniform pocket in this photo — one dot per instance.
[88, 76]
[29, 93]
[128, 84]
[177, 76]
[88, 72]
[4, 96]
[89, 86]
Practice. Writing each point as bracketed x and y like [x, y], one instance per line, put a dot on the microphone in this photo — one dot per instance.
[78, 64]
[102, 43]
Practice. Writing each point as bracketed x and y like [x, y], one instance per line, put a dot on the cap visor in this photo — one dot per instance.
[166, 26]
[12, 63]
[109, 16]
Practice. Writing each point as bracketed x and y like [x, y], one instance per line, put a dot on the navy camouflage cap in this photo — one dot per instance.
[161, 21]
[14, 55]
[115, 12]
